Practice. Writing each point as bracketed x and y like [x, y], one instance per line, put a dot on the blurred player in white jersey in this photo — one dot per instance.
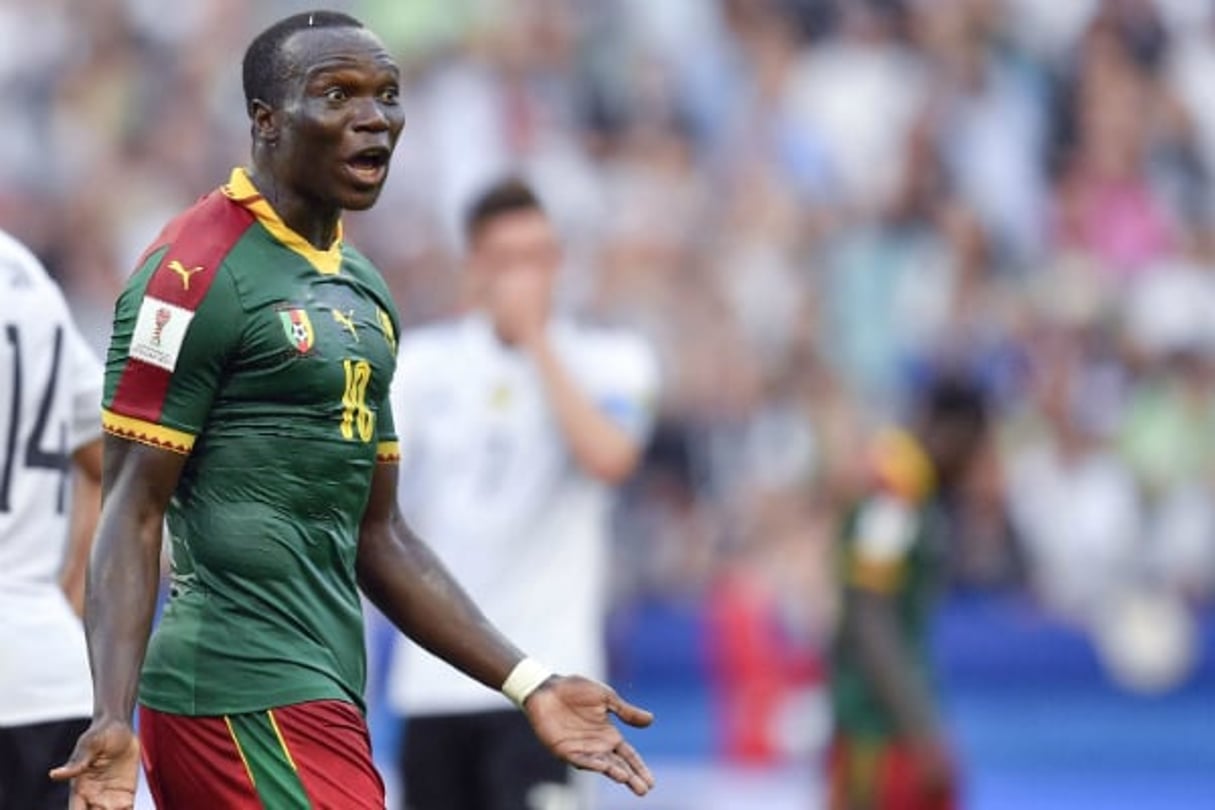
[50, 439]
[516, 424]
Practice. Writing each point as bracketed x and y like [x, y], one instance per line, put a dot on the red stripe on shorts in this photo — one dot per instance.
[192, 763]
[331, 748]
[894, 782]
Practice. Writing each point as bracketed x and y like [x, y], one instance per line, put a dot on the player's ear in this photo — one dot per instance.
[265, 122]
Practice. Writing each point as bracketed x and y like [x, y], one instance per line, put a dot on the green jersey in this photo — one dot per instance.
[892, 544]
[267, 362]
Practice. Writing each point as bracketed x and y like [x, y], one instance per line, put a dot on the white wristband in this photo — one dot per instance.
[524, 679]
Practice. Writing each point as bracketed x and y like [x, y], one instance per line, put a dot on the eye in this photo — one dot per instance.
[390, 95]
[336, 94]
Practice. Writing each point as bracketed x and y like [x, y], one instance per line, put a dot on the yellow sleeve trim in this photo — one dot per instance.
[149, 433]
[881, 578]
[388, 452]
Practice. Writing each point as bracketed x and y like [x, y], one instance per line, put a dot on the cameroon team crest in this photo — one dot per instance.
[298, 329]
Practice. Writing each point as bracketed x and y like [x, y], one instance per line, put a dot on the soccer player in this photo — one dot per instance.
[50, 390]
[246, 401]
[889, 751]
[519, 423]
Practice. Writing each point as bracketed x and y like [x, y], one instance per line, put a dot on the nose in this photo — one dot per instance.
[371, 117]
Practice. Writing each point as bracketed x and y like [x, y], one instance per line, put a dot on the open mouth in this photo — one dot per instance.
[370, 165]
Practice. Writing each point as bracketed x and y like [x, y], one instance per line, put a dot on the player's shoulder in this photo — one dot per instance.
[608, 351]
[883, 526]
[899, 467]
[885, 522]
[182, 263]
[19, 267]
[365, 273]
[357, 263]
[434, 341]
[28, 288]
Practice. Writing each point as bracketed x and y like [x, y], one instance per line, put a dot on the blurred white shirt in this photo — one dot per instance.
[50, 405]
[1080, 521]
[862, 100]
[489, 483]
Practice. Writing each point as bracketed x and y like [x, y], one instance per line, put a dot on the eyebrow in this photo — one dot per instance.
[340, 62]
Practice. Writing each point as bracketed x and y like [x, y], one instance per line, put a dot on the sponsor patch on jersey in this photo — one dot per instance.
[298, 329]
[160, 332]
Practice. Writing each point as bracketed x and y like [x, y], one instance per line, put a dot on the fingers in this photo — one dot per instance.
[616, 768]
[80, 761]
[77, 765]
[91, 795]
[628, 713]
[629, 754]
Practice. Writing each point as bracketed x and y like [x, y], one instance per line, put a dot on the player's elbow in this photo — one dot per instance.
[87, 462]
[612, 465]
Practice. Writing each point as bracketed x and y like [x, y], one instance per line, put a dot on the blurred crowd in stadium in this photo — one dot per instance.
[811, 207]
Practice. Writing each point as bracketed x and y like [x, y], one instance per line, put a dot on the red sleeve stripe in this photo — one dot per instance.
[142, 390]
[197, 241]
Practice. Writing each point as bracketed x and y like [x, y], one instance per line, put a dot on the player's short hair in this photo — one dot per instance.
[503, 197]
[264, 70]
[956, 400]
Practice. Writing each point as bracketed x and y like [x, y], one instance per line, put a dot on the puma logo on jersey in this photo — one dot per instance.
[184, 272]
[346, 320]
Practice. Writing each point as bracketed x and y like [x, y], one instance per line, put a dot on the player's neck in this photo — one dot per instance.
[316, 223]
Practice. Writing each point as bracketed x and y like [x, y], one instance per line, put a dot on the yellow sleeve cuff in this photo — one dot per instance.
[149, 433]
[388, 453]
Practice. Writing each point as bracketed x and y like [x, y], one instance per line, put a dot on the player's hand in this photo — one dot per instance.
[104, 768]
[521, 305]
[572, 717]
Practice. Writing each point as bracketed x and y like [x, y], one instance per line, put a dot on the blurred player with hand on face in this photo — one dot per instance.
[518, 424]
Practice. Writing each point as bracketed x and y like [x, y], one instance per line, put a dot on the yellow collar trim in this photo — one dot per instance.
[240, 189]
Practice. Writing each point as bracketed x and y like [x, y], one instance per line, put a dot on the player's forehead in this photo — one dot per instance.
[311, 51]
[522, 225]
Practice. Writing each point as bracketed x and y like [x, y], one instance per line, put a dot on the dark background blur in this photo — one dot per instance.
[811, 207]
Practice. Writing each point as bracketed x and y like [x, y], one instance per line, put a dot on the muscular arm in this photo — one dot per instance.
[874, 634]
[121, 596]
[405, 580]
[86, 506]
[600, 447]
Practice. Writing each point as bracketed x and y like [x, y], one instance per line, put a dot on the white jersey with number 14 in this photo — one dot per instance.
[50, 401]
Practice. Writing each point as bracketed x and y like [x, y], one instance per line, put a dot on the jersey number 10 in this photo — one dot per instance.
[35, 456]
[355, 413]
